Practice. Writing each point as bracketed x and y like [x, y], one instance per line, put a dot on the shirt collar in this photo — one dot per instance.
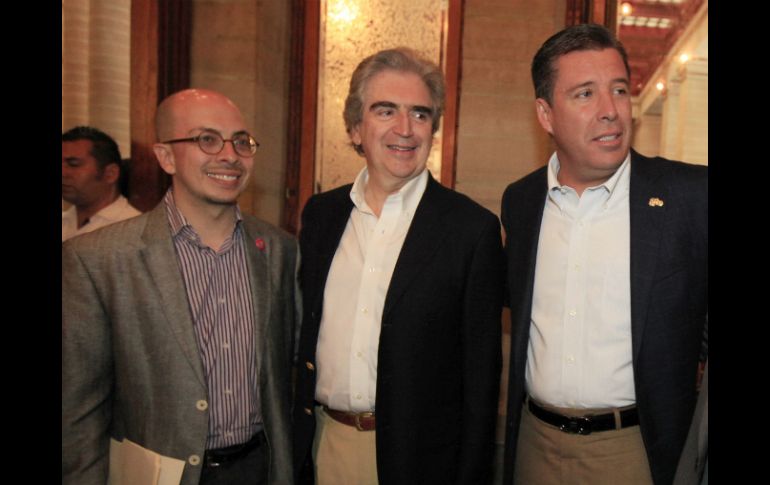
[617, 183]
[178, 221]
[406, 198]
[113, 211]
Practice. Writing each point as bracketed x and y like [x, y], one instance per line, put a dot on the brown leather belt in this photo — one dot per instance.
[360, 421]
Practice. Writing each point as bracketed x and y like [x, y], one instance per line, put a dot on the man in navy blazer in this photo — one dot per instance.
[607, 283]
[402, 281]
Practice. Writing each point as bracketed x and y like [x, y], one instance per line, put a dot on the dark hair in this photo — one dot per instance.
[576, 38]
[103, 148]
[399, 59]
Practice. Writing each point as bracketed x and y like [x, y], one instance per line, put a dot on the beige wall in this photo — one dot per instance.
[96, 67]
[499, 139]
[241, 49]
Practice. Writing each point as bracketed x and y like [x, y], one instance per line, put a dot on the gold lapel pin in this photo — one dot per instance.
[655, 202]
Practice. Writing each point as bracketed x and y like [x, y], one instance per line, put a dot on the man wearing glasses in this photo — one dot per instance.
[178, 325]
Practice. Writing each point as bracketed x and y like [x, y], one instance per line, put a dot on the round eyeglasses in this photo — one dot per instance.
[212, 143]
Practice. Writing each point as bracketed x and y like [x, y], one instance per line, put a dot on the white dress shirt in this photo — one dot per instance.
[119, 210]
[354, 297]
[579, 353]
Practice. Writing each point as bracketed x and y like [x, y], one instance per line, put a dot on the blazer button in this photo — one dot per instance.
[194, 460]
[202, 405]
[308, 411]
[309, 365]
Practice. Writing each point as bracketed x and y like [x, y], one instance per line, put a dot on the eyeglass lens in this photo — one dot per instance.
[213, 143]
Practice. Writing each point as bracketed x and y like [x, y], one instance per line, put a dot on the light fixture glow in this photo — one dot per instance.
[684, 58]
[343, 11]
[626, 9]
[659, 86]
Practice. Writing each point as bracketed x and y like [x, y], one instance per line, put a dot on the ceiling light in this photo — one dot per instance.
[625, 8]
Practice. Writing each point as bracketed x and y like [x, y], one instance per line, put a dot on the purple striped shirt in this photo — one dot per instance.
[219, 295]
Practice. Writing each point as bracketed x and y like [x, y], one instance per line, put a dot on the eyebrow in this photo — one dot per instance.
[621, 80]
[212, 130]
[390, 104]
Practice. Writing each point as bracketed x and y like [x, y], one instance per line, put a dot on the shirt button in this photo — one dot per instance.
[570, 359]
[358, 396]
[572, 313]
[221, 301]
[226, 345]
[359, 354]
[309, 366]
[228, 391]
[371, 270]
[202, 405]
[365, 311]
[194, 460]
[308, 411]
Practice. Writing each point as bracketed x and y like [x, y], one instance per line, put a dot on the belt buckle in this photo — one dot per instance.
[358, 417]
[577, 425]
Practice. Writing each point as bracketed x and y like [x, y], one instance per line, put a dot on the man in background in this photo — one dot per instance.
[91, 175]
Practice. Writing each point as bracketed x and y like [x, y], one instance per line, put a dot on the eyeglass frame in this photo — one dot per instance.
[197, 138]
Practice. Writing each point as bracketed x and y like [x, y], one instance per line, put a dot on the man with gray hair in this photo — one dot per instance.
[399, 356]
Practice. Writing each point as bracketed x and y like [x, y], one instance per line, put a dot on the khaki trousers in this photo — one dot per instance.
[343, 455]
[547, 456]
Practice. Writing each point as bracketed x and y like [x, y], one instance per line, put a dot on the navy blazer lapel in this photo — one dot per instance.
[646, 220]
[524, 220]
[261, 286]
[161, 262]
[424, 236]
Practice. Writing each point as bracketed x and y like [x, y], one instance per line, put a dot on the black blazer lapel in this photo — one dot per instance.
[333, 220]
[522, 218]
[426, 232]
[646, 220]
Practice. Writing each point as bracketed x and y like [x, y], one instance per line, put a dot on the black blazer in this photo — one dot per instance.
[439, 354]
[669, 293]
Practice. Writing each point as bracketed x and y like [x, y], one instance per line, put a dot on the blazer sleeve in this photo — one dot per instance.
[86, 376]
[481, 354]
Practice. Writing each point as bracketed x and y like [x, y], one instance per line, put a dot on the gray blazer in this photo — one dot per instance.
[130, 363]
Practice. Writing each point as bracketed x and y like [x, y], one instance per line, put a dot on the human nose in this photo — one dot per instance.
[228, 152]
[404, 125]
[608, 109]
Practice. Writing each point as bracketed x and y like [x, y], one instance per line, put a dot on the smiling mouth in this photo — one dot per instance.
[226, 178]
[400, 148]
[613, 137]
